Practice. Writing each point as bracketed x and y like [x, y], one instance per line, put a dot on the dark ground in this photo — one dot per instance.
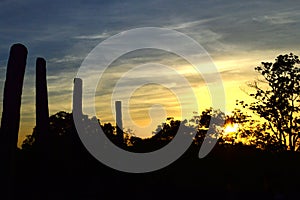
[232, 172]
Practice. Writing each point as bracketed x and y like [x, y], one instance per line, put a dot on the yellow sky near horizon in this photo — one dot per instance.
[236, 70]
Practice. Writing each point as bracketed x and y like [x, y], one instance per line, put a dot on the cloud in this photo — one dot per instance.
[93, 37]
[190, 24]
[66, 59]
[279, 18]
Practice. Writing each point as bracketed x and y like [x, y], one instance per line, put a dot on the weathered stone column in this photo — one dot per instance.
[10, 120]
[12, 95]
[42, 133]
[42, 110]
[119, 123]
[77, 96]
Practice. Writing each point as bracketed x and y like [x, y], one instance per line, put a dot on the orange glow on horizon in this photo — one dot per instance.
[231, 128]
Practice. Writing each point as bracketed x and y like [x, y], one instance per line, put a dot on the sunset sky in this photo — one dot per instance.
[238, 35]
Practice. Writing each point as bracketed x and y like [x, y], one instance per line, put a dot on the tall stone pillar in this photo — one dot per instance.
[42, 134]
[119, 123]
[10, 120]
[42, 110]
[77, 97]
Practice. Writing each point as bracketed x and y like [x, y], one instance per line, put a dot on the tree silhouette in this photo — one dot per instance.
[251, 132]
[203, 123]
[63, 135]
[278, 103]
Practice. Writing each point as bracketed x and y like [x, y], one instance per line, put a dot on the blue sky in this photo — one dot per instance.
[238, 35]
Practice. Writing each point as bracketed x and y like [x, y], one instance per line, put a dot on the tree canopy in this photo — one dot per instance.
[277, 99]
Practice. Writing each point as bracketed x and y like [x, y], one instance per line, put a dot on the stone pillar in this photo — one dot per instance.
[77, 97]
[42, 134]
[119, 123]
[42, 110]
[10, 120]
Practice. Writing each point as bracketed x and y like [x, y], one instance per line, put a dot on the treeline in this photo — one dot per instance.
[230, 171]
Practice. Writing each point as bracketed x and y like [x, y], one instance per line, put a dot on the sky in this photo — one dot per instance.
[237, 35]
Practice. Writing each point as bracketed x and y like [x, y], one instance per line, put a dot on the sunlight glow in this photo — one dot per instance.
[231, 128]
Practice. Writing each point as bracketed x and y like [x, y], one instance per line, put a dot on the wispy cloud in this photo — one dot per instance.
[279, 18]
[66, 59]
[93, 37]
[189, 24]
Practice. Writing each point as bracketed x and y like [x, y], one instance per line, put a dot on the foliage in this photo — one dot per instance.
[209, 118]
[63, 135]
[251, 132]
[277, 99]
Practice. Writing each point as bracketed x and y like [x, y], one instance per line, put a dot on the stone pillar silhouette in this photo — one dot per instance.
[77, 97]
[42, 131]
[11, 113]
[119, 123]
[42, 110]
